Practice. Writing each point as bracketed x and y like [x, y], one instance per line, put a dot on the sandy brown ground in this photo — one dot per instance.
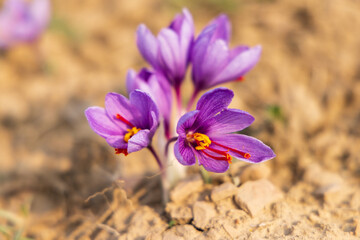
[59, 180]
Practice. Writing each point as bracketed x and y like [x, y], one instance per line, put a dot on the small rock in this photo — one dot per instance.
[357, 228]
[355, 200]
[223, 191]
[185, 188]
[218, 232]
[237, 167]
[181, 214]
[314, 174]
[253, 196]
[146, 219]
[331, 194]
[237, 216]
[224, 205]
[203, 212]
[181, 232]
[255, 172]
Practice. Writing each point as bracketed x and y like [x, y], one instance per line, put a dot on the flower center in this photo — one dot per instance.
[130, 132]
[203, 143]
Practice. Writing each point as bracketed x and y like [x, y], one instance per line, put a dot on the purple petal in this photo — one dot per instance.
[147, 45]
[170, 53]
[186, 122]
[228, 121]
[184, 153]
[214, 61]
[145, 105]
[212, 165]
[15, 8]
[223, 28]
[139, 141]
[183, 25]
[100, 122]
[199, 51]
[131, 83]
[118, 104]
[186, 36]
[238, 66]
[154, 124]
[40, 13]
[238, 50]
[213, 102]
[155, 85]
[258, 150]
[117, 141]
[160, 90]
[6, 38]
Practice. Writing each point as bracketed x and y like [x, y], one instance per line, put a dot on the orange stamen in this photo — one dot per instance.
[227, 157]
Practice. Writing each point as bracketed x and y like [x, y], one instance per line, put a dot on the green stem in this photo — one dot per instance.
[205, 175]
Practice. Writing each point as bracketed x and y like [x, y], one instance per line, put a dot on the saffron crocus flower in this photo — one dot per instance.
[206, 134]
[169, 52]
[23, 21]
[159, 89]
[213, 62]
[127, 125]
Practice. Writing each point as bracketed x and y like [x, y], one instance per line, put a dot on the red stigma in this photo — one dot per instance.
[225, 156]
[240, 79]
[243, 154]
[123, 151]
[124, 120]
[203, 143]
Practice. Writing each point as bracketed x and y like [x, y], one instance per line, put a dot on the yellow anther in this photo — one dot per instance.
[202, 140]
[130, 133]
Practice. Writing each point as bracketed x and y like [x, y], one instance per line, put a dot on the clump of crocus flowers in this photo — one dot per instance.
[206, 135]
[23, 21]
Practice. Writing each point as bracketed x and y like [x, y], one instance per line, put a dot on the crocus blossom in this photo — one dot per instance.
[213, 62]
[22, 21]
[157, 86]
[207, 134]
[169, 52]
[127, 125]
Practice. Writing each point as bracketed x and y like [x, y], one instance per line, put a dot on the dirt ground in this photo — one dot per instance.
[59, 180]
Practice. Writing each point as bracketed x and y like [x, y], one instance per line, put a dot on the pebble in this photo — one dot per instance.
[255, 172]
[181, 214]
[253, 196]
[218, 232]
[223, 191]
[181, 232]
[185, 188]
[357, 228]
[203, 212]
[332, 194]
[314, 174]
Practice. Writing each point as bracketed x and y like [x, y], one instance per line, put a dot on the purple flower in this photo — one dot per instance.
[169, 53]
[206, 134]
[213, 62]
[158, 88]
[127, 125]
[22, 21]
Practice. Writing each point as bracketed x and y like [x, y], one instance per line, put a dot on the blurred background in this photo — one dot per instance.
[304, 94]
